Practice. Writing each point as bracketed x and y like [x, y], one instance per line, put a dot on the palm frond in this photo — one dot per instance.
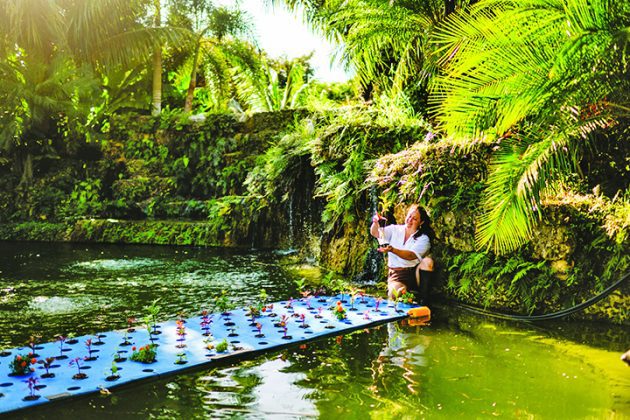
[519, 175]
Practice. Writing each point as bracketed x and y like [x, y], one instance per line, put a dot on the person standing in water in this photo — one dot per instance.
[406, 246]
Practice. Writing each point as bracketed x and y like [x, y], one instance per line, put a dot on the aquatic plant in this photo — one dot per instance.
[47, 363]
[289, 304]
[144, 354]
[126, 341]
[366, 315]
[22, 364]
[259, 328]
[406, 297]
[153, 311]
[130, 321]
[303, 321]
[71, 338]
[113, 372]
[377, 303]
[88, 346]
[222, 303]
[77, 362]
[180, 329]
[32, 343]
[308, 303]
[32, 386]
[319, 312]
[118, 357]
[339, 311]
[222, 346]
[61, 339]
[206, 320]
[181, 359]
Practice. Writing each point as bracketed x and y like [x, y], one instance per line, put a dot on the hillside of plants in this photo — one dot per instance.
[163, 122]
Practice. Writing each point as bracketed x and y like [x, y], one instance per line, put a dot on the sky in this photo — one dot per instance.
[280, 32]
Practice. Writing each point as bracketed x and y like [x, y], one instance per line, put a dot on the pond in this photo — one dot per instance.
[461, 364]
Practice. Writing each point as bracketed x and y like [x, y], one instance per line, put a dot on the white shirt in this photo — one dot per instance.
[395, 235]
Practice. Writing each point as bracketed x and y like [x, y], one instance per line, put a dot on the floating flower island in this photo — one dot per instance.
[40, 373]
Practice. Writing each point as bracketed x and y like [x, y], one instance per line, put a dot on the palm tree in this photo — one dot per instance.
[385, 41]
[540, 78]
[69, 42]
[212, 28]
[265, 88]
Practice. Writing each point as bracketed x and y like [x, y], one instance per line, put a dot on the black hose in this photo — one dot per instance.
[555, 315]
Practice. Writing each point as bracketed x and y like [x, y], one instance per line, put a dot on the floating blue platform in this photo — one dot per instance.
[306, 319]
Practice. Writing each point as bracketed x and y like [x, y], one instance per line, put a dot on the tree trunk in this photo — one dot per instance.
[156, 103]
[193, 77]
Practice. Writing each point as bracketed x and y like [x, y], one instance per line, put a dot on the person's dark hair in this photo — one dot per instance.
[425, 227]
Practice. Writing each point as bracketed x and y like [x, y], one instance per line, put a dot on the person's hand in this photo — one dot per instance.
[377, 217]
[385, 249]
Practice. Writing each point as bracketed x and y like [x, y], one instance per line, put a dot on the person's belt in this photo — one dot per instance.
[402, 268]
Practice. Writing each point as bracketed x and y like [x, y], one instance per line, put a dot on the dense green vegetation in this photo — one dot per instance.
[508, 120]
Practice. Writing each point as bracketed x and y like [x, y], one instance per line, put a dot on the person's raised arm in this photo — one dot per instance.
[374, 226]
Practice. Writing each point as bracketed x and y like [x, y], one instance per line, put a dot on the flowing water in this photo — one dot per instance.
[459, 365]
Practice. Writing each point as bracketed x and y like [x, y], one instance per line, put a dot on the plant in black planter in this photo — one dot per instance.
[270, 312]
[154, 310]
[118, 357]
[339, 311]
[47, 363]
[77, 361]
[303, 321]
[61, 339]
[253, 313]
[206, 321]
[99, 341]
[259, 328]
[319, 312]
[366, 315]
[308, 303]
[377, 302]
[88, 346]
[145, 354]
[222, 346]
[181, 334]
[32, 343]
[126, 341]
[289, 304]
[181, 359]
[130, 322]
[71, 339]
[284, 321]
[22, 364]
[223, 304]
[31, 382]
[362, 295]
[114, 373]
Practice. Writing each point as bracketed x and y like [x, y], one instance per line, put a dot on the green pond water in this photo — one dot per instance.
[460, 365]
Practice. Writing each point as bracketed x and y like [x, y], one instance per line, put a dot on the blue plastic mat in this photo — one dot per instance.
[306, 319]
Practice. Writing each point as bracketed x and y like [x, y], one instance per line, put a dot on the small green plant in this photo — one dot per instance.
[223, 303]
[145, 354]
[153, 310]
[114, 372]
[222, 346]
